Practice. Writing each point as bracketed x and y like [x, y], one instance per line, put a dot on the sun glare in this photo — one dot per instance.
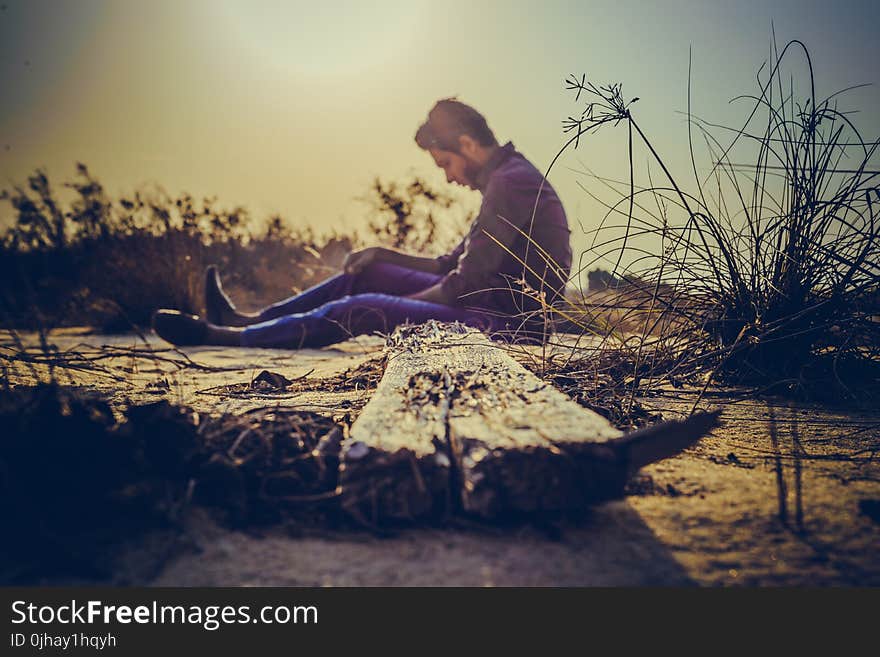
[333, 38]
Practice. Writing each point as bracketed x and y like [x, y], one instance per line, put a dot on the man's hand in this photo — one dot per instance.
[356, 261]
[433, 294]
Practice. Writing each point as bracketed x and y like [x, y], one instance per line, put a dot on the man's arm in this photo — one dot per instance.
[419, 263]
[505, 211]
[357, 260]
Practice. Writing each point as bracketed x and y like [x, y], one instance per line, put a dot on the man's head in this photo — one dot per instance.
[459, 139]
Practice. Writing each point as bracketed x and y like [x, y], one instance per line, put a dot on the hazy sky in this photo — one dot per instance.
[293, 107]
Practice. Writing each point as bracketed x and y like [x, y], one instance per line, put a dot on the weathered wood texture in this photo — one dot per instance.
[457, 425]
[394, 463]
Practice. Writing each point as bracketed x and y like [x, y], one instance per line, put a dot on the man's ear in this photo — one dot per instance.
[468, 146]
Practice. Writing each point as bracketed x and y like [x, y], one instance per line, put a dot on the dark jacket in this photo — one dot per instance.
[520, 235]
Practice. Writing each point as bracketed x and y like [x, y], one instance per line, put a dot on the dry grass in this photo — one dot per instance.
[76, 483]
[767, 274]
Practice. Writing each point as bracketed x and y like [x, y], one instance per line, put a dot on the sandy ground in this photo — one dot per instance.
[746, 506]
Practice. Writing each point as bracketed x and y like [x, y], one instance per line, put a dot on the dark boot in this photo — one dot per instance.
[186, 330]
[180, 328]
[219, 309]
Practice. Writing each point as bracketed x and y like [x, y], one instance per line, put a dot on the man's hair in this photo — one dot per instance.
[448, 120]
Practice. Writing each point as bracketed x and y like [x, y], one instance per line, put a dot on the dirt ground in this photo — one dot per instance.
[779, 495]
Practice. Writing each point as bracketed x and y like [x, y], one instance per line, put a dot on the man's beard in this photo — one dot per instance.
[472, 172]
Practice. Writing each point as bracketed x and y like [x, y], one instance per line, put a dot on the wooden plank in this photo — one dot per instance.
[394, 462]
[518, 444]
[458, 425]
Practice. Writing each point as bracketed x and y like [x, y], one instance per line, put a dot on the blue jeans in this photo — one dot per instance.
[346, 305]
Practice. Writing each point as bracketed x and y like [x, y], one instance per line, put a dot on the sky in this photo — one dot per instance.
[295, 107]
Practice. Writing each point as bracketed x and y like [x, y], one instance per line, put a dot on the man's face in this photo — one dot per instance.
[458, 168]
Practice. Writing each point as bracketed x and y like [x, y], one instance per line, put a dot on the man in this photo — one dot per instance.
[501, 278]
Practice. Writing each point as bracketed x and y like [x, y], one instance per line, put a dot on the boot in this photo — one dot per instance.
[179, 328]
[186, 330]
[219, 309]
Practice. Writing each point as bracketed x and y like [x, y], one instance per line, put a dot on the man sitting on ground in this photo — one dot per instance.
[511, 265]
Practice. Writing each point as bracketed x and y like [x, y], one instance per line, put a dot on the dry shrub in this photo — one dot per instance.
[413, 216]
[111, 263]
[769, 272]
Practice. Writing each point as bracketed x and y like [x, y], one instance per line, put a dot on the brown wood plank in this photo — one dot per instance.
[394, 462]
[457, 424]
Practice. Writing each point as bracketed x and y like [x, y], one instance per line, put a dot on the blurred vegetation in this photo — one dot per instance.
[110, 262]
[406, 216]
